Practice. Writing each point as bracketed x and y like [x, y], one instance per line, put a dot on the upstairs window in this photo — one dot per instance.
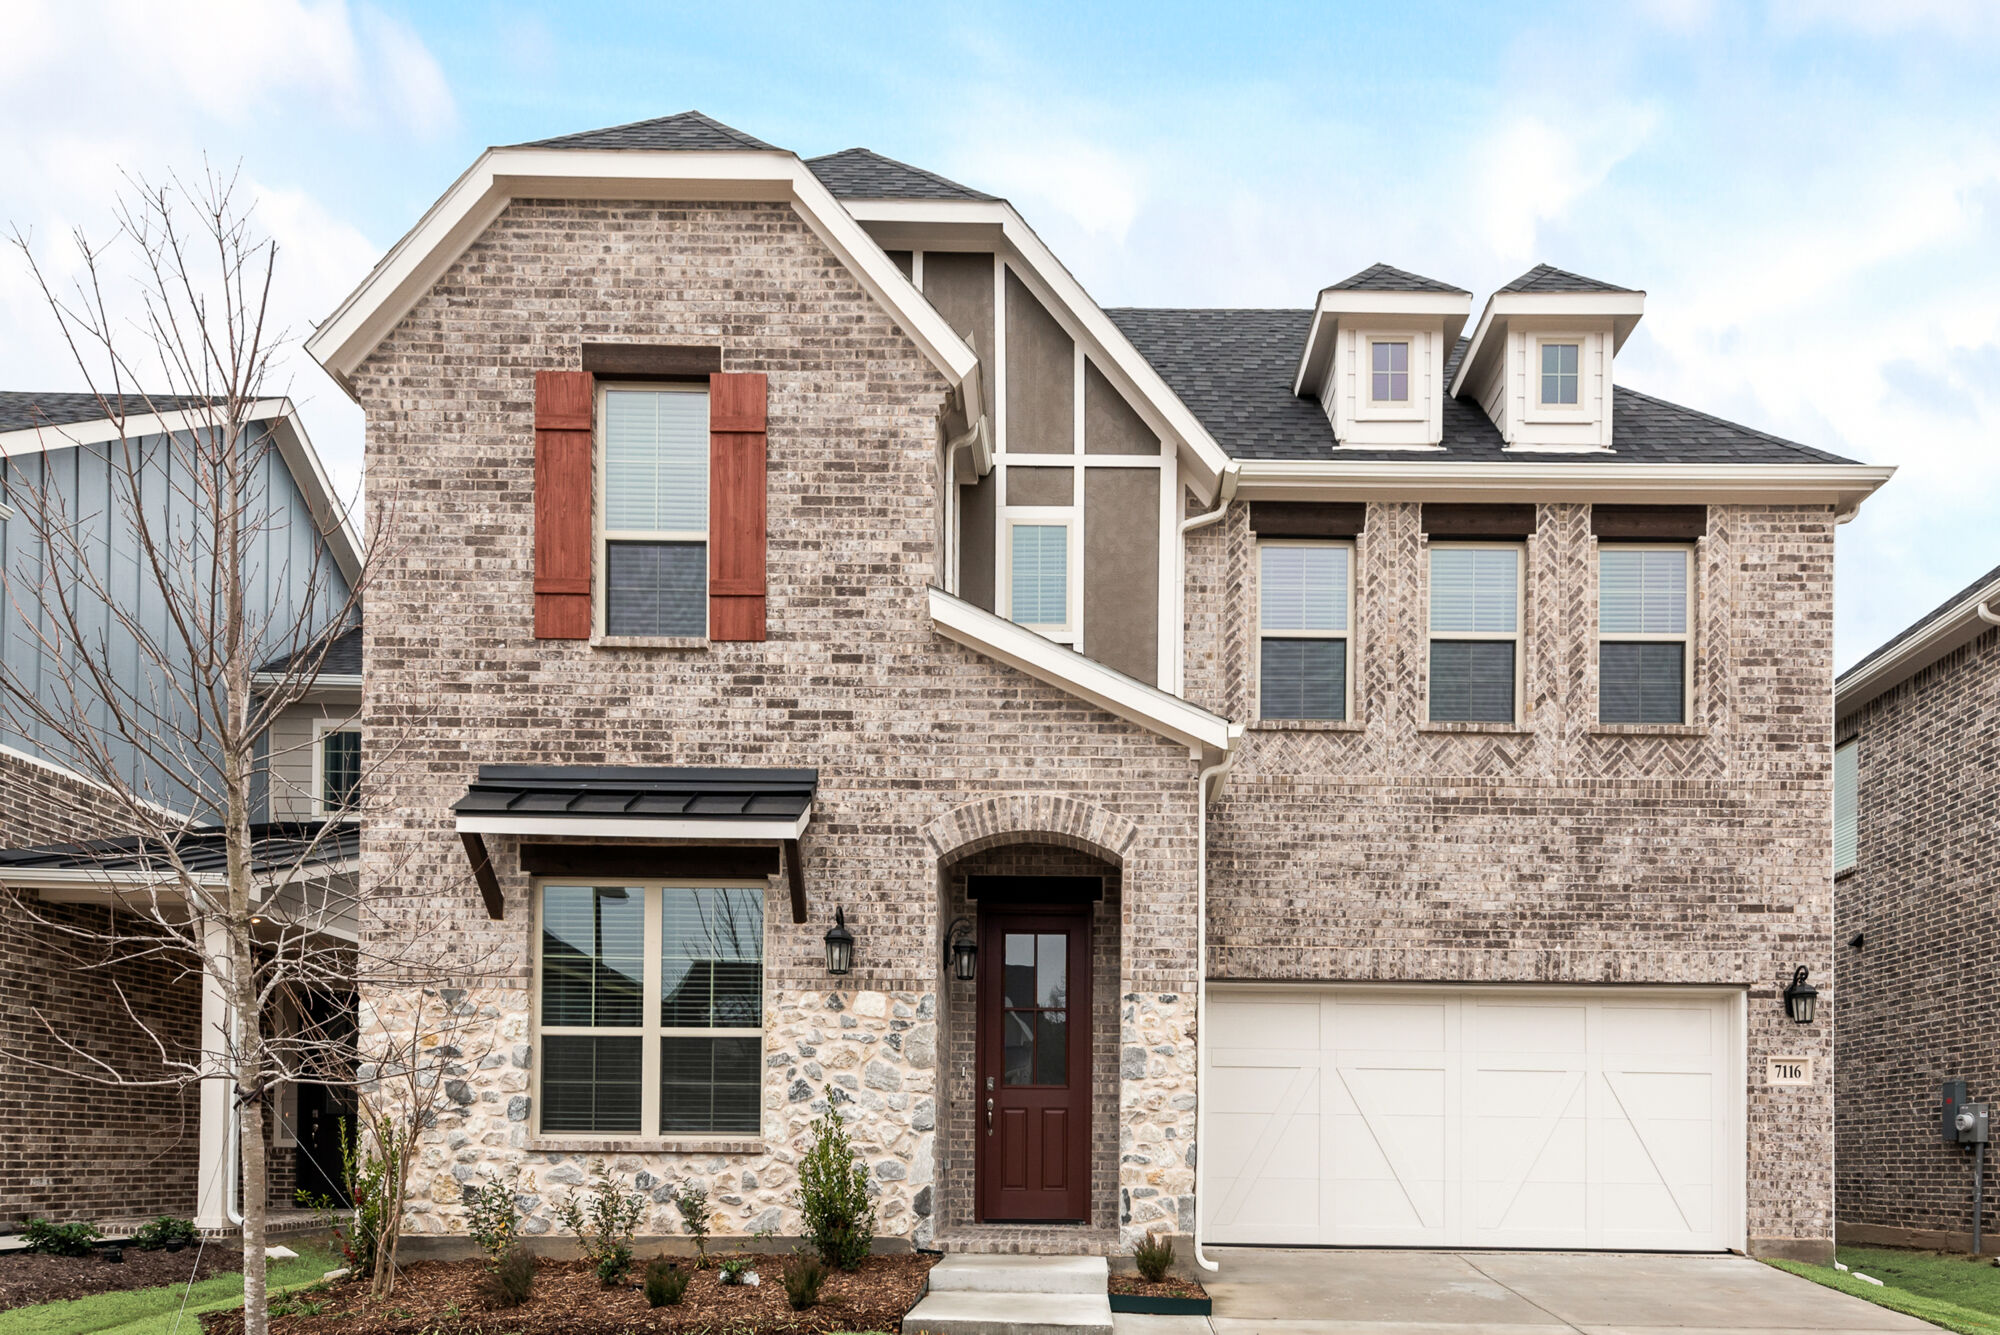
[1559, 374]
[1846, 806]
[337, 762]
[1389, 371]
[1475, 633]
[1303, 611]
[1643, 616]
[654, 554]
[1038, 576]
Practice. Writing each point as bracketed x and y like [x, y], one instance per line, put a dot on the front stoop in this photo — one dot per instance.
[1014, 1295]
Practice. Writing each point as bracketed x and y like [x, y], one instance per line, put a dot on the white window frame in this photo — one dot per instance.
[321, 727]
[1368, 408]
[1542, 409]
[1516, 638]
[602, 537]
[649, 1031]
[1850, 748]
[1685, 639]
[1409, 346]
[1347, 671]
[1043, 516]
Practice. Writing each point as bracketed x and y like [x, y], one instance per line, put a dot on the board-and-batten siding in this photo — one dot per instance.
[86, 482]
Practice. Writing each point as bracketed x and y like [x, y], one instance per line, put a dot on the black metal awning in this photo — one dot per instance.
[656, 803]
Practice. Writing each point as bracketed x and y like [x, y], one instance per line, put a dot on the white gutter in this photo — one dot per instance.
[1214, 773]
[1987, 614]
[1956, 625]
[1232, 477]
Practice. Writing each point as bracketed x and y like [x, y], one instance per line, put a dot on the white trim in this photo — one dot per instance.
[1168, 672]
[1345, 635]
[1540, 409]
[1417, 310]
[602, 537]
[1489, 336]
[325, 685]
[1960, 624]
[1843, 486]
[1685, 638]
[621, 827]
[321, 727]
[1066, 517]
[1516, 637]
[473, 202]
[1046, 661]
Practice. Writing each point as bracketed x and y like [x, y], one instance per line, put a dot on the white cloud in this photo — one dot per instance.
[1534, 168]
[1880, 18]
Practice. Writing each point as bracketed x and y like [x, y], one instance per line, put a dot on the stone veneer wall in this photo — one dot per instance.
[1918, 996]
[924, 748]
[1560, 851]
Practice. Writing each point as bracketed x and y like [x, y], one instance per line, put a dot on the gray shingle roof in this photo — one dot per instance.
[1384, 278]
[1234, 369]
[21, 410]
[343, 656]
[686, 130]
[1990, 577]
[1548, 278]
[861, 173]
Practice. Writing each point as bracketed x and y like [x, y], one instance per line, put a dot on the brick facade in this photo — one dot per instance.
[1918, 995]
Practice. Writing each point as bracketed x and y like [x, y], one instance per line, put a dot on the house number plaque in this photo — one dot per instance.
[1789, 1071]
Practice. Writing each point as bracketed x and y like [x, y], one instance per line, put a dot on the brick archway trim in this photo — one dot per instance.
[1022, 818]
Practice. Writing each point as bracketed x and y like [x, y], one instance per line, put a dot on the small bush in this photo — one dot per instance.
[734, 1269]
[60, 1239]
[511, 1278]
[493, 1216]
[833, 1195]
[157, 1233]
[696, 1218]
[666, 1282]
[804, 1274]
[1155, 1256]
[604, 1224]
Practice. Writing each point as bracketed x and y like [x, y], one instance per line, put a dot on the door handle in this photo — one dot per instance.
[989, 1117]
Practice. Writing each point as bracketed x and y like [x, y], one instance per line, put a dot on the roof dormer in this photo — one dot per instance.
[1540, 359]
[1375, 357]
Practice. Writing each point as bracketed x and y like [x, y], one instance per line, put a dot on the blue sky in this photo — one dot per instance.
[1808, 190]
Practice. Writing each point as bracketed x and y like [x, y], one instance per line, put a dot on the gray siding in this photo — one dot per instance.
[292, 742]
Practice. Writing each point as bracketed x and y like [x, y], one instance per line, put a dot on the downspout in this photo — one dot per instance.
[1213, 774]
[1987, 614]
[1224, 495]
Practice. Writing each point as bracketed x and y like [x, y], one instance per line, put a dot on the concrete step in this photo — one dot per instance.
[963, 1313]
[1020, 1274]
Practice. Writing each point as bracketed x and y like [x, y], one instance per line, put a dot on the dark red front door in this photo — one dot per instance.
[1033, 1108]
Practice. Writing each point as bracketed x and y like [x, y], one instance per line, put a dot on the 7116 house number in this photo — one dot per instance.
[1789, 1071]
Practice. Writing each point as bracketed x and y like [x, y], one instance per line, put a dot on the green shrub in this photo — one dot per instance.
[511, 1278]
[157, 1233]
[833, 1195]
[371, 1179]
[696, 1218]
[604, 1224]
[60, 1239]
[734, 1269]
[666, 1283]
[493, 1215]
[1155, 1256]
[804, 1274]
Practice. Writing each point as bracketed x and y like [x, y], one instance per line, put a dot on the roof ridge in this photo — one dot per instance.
[862, 158]
[1544, 270]
[1381, 269]
[692, 116]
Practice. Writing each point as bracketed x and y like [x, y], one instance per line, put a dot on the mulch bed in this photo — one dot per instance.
[444, 1298]
[27, 1278]
[1170, 1287]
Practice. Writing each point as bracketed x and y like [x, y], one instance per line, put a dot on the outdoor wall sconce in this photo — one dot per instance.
[1801, 998]
[961, 951]
[839, 945]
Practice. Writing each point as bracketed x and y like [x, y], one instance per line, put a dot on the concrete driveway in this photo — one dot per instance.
[1262, 1291]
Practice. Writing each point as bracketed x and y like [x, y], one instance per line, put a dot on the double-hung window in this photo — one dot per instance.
[653, 559]
[337, 768]
[1559, 374]
[1643, 614]
[651, 1009]
[1846, 806]
[1389, 371]
[1475, 632]
[1304, 609]
[1038, 572]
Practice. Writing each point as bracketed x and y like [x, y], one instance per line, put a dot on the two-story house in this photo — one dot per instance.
[97, 1119]
[1916, 866]
[1305, 776]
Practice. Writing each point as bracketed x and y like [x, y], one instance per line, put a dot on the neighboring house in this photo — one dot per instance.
[71, 1147]
[1399, 762]
[1916, 872]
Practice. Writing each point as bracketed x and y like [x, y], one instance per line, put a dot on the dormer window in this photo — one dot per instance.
[1390, 376]
[1559, 374]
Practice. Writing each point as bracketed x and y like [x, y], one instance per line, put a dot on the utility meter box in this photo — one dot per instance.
[1954, 1102]
[1971, 1123]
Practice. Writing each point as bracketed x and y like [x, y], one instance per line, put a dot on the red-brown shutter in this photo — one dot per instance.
[563, 404]
[736, 483]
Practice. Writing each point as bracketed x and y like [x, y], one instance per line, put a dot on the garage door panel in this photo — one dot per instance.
[1459, 1118]
[1266, 1023]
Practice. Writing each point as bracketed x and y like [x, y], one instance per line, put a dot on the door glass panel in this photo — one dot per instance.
[1018, 986]
[1052, 969]
[1035, 1009]
[1018, 1056]
[1052, 1048]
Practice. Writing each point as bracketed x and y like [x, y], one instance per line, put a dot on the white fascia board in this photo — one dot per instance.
[623, 827]
[1063, 668]
[1452, 309]
[1959, 625]
[415, 263]
[166, 884]
[1622, 309]
[326, 683]
[1121, 363]
[1843, 486]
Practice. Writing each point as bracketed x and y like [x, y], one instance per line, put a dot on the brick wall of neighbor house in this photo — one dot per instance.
[1564, 852]
[925, 750]
[1921, 996]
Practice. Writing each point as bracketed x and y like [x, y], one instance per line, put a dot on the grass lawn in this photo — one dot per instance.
[1955, 1292]
[153, 1311]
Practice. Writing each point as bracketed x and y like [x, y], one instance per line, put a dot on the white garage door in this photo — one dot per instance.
[1459, 1117]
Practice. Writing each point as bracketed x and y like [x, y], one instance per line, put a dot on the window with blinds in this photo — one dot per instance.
[640, 1042]
[1643, 615]
[655, 507]
[1038, 575]
[1475, 632]
[1846, 806]
[1303, 609]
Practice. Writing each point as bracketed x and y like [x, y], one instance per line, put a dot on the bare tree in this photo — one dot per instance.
[171, 732]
